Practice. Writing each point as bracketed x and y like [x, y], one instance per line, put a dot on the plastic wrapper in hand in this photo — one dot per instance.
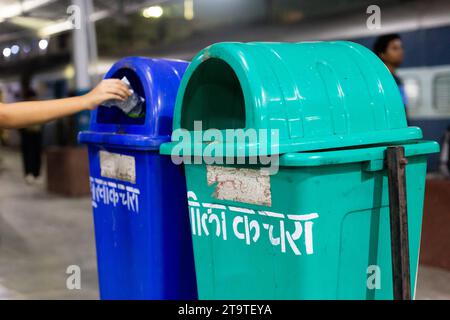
[133, 106]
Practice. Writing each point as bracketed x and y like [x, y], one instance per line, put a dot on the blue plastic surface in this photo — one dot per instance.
[157, 80]
[144, 246]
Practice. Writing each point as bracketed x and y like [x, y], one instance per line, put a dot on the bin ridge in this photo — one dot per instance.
[318, 95]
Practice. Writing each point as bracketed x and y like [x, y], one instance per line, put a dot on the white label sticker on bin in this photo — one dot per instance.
[241, 185]
[118, 166]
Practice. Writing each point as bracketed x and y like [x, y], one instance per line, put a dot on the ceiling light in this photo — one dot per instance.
[55, 28]
[20, 7]
[153, 12]
[189, 9]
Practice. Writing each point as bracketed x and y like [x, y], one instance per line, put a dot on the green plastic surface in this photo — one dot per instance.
[318, 95]
[350, 236]
[321, 229]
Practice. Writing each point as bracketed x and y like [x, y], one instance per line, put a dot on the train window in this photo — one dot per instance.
[413, 90]
[442, 91]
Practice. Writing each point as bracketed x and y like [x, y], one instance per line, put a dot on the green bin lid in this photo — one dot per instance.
[317, 95]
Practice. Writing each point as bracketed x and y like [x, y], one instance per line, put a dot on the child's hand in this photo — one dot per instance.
[110, 89]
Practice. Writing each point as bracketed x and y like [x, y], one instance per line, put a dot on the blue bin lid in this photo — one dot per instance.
[157, 80]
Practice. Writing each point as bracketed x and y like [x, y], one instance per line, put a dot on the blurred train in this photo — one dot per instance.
[426, 76]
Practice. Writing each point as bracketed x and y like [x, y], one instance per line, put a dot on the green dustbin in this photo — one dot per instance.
[319, 228]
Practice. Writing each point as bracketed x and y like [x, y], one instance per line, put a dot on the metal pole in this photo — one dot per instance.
[93, 51]
[81, 41]
[396, 164]
[84, 54]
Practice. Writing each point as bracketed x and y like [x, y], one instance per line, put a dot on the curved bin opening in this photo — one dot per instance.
[114, 115]
[214, 96]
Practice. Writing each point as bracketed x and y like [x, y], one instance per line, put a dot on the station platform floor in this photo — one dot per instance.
[41, 235]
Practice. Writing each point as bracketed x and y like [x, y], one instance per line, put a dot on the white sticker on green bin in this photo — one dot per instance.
[241, 185]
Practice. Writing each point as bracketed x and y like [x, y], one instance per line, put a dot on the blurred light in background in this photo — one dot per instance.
[26, 49]
[15, 49]
[21, 7]
[189, 9]
[69, 72]
[7, 52]
[43, 44]
[153, 12]
[412, 88]
[55, 28]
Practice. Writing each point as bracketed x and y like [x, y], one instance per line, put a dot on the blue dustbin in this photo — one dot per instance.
[144, 246]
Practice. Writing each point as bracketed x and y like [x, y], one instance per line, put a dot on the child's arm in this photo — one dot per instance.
[23, 114]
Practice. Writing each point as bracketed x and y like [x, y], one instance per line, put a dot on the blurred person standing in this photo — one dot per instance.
[389, 48]
[31, 139]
